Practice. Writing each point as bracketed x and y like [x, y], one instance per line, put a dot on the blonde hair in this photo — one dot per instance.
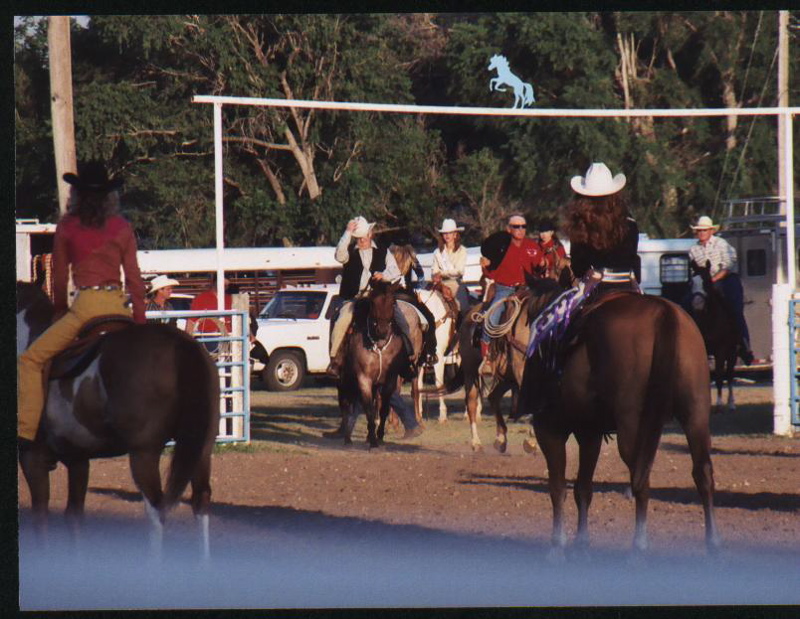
[405, 256]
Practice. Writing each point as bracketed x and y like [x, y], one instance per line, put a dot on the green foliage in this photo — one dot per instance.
[297, 176]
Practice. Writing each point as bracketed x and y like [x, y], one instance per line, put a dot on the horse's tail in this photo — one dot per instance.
[659, 397]
[529, 93]
[198, 416]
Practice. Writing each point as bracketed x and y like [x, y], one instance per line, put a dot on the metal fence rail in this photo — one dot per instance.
[794, 359]
[233, 366]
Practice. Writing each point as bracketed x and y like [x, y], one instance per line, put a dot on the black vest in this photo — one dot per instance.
[351, 273]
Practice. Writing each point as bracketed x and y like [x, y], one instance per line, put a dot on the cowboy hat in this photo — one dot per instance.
[547, 225]
[162, 281]
[705, 223]
[363, 227]
[598, 181]
[93, 176]
[449, 225]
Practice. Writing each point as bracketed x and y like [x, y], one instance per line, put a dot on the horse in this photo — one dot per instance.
[445, 331]
[374, 357]
[523, 92]
[720, 332]
[133, 390]
[632, 362]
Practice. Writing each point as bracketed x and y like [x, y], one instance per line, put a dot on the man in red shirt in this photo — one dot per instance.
[505, 258]
[207, 300]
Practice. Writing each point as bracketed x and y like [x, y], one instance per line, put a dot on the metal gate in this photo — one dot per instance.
[794, 358]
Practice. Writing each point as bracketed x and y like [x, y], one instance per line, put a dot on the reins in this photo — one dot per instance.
[378, 350]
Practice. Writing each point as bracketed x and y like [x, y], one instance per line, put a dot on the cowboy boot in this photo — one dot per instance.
[334, 369]
[409, 370]
[745, 353]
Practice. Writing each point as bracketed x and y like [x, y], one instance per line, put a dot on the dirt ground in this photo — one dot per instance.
[289, 475]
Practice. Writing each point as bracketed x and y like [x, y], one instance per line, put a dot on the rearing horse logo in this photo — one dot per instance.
[523, 92]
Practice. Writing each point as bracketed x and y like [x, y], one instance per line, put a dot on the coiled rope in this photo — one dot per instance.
[503, 327]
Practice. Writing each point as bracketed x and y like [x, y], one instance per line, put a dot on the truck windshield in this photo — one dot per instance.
[295, 304]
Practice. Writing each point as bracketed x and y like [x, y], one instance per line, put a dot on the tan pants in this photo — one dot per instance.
[30, 365]
[404, 316]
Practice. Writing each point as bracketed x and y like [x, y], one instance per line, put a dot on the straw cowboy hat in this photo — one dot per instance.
[705, 223]
[598, 181]
[162, 281]
[93, 176]
[449, 225]
[363, 227]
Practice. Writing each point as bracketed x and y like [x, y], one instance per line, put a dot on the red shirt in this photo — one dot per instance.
[96, 255]
[551, 252]
[208, 301]
[517, 260]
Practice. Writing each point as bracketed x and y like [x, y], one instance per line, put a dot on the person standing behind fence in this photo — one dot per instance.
[207, 301]
[95, 242]
[450, 262]
[724, 274]
[158, 298]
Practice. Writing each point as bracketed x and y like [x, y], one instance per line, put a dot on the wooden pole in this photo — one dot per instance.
[783, 99]
[58, 41]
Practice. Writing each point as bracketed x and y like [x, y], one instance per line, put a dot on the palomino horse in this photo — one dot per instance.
[523, 92]
[638, 361]
[720, 332]
[144, 386]
[373, 360]
[445, 332]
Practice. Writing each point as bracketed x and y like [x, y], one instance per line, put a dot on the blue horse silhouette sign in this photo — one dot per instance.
[523, 92]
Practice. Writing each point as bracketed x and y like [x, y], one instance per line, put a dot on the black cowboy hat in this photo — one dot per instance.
[547, 224]
[93, 176]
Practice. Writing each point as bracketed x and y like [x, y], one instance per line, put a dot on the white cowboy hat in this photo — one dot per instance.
[598, 181]
[363, 227]
[162, 281]
[705, 223]
[449, 225]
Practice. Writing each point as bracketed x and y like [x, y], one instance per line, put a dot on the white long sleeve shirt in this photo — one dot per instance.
[390, 273]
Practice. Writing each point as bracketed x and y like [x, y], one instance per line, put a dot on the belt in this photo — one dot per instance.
[101, 287]
[615, 277]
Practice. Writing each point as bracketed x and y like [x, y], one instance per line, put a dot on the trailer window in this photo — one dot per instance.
[756, 262]
[674, 268]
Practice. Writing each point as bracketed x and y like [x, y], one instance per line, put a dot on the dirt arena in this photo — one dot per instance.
[320, 505]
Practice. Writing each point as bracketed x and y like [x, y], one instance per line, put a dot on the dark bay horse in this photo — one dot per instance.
[638, 360]
[720, 332]
[374, 357]
[144, 386]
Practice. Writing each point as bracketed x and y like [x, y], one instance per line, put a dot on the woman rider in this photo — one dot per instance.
[95, 241]
[449, 262]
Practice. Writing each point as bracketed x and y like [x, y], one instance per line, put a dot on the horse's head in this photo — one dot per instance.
[498, 62]
[381, 308]
[704, 273]
[543, 290]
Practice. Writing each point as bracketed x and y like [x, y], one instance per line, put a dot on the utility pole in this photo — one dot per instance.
[783, 98]
[58, 42]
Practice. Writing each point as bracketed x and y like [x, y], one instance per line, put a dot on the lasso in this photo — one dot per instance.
[505, 326]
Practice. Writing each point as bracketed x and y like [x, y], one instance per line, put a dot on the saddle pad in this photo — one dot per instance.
[405, 306]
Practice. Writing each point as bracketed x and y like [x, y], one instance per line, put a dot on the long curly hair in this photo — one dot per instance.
[596, 221]
[405, 256]
[93, 207]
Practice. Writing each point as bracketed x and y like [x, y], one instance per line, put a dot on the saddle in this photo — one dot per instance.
[76, 357]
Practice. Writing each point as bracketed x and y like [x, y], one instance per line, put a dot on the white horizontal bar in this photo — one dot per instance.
[491, 111]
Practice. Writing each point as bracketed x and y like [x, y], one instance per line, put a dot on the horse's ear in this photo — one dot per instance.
[395, 286]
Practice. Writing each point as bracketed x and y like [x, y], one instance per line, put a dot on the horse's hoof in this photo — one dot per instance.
[477, 447]
[530, 446]
[348, 440]
[500, 445]
[442, 419]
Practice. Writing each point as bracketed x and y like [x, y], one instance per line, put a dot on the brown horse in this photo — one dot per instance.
[134, 390]
[720, 332]
[638, 360]
[374, 358]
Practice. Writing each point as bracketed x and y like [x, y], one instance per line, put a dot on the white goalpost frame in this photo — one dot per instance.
[782, 292]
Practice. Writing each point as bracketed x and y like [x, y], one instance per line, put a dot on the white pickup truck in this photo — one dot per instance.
[294, 328]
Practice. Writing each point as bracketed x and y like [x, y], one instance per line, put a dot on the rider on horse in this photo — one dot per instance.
[603, 249]
[363, 260]
[95, 241]
[449, 263]
[724, 275]
[505, 257]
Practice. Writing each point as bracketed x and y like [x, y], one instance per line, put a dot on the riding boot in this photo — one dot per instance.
[408, 371]
[745, 352]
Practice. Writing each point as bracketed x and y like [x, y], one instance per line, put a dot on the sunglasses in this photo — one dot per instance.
[518, 226]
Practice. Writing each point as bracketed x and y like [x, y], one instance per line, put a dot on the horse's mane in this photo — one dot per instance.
[500, 60]
[543, 288]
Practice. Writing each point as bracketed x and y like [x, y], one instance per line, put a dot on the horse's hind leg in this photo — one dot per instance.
[554, 448]
[589, 453]
[729, 371]
[501, 431]
[699, 439]
[472, 396]
[719, 377]
[201, 501]
[77, 484]
[146, 476]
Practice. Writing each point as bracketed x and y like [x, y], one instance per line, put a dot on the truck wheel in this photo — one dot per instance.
[285, 371]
